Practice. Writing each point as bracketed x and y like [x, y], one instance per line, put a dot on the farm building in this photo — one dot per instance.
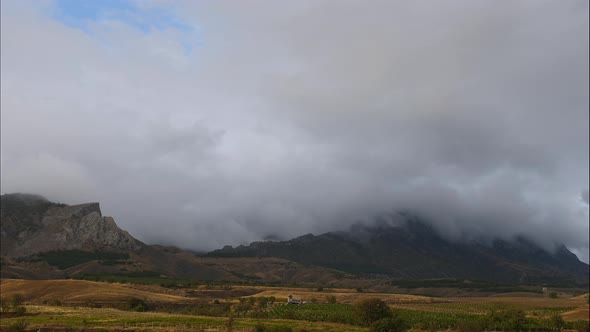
[292, 300]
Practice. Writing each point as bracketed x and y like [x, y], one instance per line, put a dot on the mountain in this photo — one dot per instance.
[415, 250]
[45, 240]
[31, 224]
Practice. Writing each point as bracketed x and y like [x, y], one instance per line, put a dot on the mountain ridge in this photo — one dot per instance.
[35, 232]
[416, 250]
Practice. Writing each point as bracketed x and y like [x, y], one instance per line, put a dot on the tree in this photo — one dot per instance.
[371, 310]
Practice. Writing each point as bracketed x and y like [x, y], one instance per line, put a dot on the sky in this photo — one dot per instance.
[206, 123]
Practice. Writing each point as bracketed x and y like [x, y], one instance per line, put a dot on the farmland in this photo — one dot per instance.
[82, 304]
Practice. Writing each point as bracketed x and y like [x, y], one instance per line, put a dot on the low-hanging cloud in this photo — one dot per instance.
[308, 116]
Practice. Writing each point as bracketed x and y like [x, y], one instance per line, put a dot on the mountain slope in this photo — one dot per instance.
[415, 250]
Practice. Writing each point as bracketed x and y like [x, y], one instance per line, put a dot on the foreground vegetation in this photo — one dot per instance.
[320, 317]
[152, 307]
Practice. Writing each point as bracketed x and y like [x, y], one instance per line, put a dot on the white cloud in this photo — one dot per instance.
[299, 117]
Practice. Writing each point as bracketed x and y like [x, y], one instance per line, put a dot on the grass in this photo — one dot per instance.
[80, 291]
[75, 317]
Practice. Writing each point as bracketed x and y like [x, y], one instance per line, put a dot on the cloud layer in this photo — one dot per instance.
[283, 118]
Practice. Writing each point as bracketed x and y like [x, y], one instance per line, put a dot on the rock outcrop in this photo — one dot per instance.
[30, 224]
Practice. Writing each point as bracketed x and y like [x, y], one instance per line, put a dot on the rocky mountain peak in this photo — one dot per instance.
[27, 229]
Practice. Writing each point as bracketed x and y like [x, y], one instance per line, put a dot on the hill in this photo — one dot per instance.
[415, 250]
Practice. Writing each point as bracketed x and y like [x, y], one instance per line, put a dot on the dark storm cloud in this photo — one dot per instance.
[299, 117]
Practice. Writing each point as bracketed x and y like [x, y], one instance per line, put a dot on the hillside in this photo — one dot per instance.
[416, 250]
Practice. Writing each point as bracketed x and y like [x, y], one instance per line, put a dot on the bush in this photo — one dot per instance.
[556, 322]
[513, 320]
[553, 295]
[54, 302]
[371, 310]
[137, 305]
[20, 310]
[331, 299]
[388, 325]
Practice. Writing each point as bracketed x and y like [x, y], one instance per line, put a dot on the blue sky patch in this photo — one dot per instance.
[78, 13]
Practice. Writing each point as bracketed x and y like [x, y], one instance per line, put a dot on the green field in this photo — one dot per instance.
[79, 305]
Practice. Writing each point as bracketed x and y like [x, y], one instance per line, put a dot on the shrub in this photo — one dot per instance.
[371, 310]
[331, 299]
[388, 325]
[20, 310]
[553, 295]
[137, 305]
[513, 320]
[54, 302]
[556, 322]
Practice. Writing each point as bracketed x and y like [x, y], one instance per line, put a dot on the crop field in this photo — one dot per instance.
[81, 305]
[80, 318]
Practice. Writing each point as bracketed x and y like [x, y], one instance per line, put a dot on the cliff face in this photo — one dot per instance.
[30, 224]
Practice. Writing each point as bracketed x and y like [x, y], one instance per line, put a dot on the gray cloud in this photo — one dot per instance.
[299, 117]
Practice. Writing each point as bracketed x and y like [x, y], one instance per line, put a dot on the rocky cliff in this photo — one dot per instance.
[31, 224]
